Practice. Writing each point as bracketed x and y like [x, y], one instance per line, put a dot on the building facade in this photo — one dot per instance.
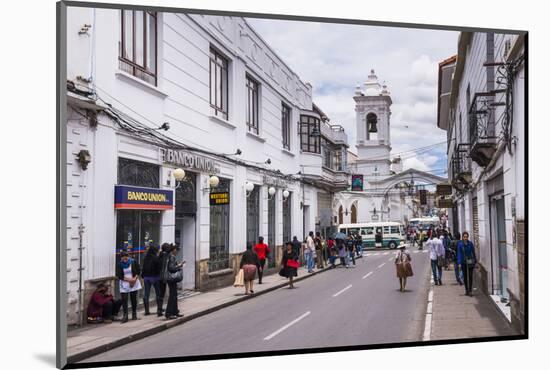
[381, 190]
[481, 106]
[149, 93]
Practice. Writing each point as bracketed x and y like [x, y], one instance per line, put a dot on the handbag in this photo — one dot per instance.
[239, 279]
[292, 263]
[175, 277]
[440, 261]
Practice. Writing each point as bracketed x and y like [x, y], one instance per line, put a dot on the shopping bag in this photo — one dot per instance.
[239, 279]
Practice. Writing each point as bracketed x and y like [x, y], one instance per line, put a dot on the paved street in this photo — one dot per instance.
[341, 307]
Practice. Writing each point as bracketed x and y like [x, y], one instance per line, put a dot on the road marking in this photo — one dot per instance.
[367, 275]
[386, 253]
[391, 259]
[376, 254]
[286, 326]
[416, 251]
[342, 291]
[382, 265]
[425, 251]
[429, 312]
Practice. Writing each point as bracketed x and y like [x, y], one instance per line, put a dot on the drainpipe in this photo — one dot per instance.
[80, 289]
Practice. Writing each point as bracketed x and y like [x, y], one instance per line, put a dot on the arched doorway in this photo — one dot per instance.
[353, 214]
[341, 215]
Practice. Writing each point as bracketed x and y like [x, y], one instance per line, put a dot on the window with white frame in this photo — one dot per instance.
[285, 125]
[252, 105]
[138, 44]
[219, 84]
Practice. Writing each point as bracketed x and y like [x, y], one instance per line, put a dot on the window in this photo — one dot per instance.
[338, 160]
[218, 84]
[138, 173]
[285, 123]
[327, 153]
[310, 134]
[252, 88]
[219, 232]
[394, 230]
[138, 45]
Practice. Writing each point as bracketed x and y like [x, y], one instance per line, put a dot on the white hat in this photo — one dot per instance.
[401, 245]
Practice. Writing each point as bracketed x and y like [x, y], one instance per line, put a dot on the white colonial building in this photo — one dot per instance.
[481, 106]
[381, 190]
[152, 92]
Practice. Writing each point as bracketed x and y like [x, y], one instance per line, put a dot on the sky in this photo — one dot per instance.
[334, 58]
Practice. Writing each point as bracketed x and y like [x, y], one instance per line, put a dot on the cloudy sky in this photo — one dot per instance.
[336, 57]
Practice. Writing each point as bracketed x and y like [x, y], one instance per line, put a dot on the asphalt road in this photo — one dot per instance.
[340, 307]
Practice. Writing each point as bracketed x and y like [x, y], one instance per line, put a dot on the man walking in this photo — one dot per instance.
[319, 249]
[466, 257]
[437, 255]
[309, 252]
[262, 250]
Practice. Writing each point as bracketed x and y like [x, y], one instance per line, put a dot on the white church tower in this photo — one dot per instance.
[372, 107]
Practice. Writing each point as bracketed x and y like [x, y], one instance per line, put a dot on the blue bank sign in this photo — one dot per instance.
[133, 197]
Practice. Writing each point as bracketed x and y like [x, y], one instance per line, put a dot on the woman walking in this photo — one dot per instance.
[466, 257]
[290, 264]
[127, 272]
[262, 250]
[249, 264]
[173, 274]
[151, 277]
[403, 266]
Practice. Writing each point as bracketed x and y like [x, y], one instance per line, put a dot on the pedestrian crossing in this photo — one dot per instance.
[373, 254]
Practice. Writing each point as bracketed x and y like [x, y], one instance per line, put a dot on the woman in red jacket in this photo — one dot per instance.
[103, 307]
[262, 250]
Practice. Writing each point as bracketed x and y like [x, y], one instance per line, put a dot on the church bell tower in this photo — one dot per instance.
[372, 107]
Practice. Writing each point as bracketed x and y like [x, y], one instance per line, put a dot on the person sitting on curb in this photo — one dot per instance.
[102, 307]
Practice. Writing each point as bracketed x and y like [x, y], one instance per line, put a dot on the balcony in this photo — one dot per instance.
[334, 133]
[483, 139]
[461, 165]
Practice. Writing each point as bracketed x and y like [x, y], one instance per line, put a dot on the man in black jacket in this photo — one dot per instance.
[151, 277]
[163, 260]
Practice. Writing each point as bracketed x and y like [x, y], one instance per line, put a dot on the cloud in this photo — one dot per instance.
[336, 57]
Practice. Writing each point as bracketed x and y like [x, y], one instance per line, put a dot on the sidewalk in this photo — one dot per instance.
[93, 339]
[455, 315]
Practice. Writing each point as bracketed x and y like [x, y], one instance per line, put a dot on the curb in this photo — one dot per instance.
[77, 357]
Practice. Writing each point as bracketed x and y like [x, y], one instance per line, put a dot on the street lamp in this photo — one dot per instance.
[248, 187]
[213, 182]
[286, 193]
[271, 191]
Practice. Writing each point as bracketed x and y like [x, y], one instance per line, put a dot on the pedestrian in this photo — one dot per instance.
[341, 245]
[102, 306]
[358, 245]
[127, 272]
[447, 245]
[466, 257]
[151, 277]
[421, 239]
[403, 266]
[319, 249]
[163, 259]
[289, 264]
[437, 256]
[249, 263]
[173, 274]
[332, 252]
[350, 245]
[262, 250]
[454, 256]
[310, 252]
[296, 245]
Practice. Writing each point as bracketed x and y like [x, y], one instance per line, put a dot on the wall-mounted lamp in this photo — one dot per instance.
[286, 193]
[84, 158]
[213, 182]
[179, 175]
[271, 192]
[249, 187]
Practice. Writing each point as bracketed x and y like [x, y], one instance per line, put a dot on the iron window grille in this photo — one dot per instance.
[219, 232]
[138, 45]
[219, 92]
[461, 165]
[252, 105]
[136, 173]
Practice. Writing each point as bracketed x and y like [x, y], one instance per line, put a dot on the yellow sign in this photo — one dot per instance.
[219, 198]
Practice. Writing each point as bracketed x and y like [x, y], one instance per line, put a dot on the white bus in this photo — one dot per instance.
[423, 223]
[381, 234]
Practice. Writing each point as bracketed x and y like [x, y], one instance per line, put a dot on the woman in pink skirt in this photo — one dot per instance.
[249, 264]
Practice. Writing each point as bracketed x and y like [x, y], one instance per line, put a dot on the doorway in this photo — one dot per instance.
[185, 228]
[499, 243]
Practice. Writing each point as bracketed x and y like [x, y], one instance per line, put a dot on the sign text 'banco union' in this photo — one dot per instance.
[188, 160]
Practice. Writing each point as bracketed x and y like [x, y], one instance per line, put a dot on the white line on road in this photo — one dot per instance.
[425, 251]
[382, 265]
[386, 253]
[367, 275]
[286, 326]
[391, 259]
[416, 251]
[342, 291]
[376, 254]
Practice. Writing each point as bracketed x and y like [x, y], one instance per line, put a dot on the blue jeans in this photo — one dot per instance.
[360, 249]
[458, 273]
[437, 271]
[309, 261]
[351, 256]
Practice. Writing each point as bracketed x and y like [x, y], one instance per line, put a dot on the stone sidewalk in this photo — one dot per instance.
[455, 315]
[97, 338]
